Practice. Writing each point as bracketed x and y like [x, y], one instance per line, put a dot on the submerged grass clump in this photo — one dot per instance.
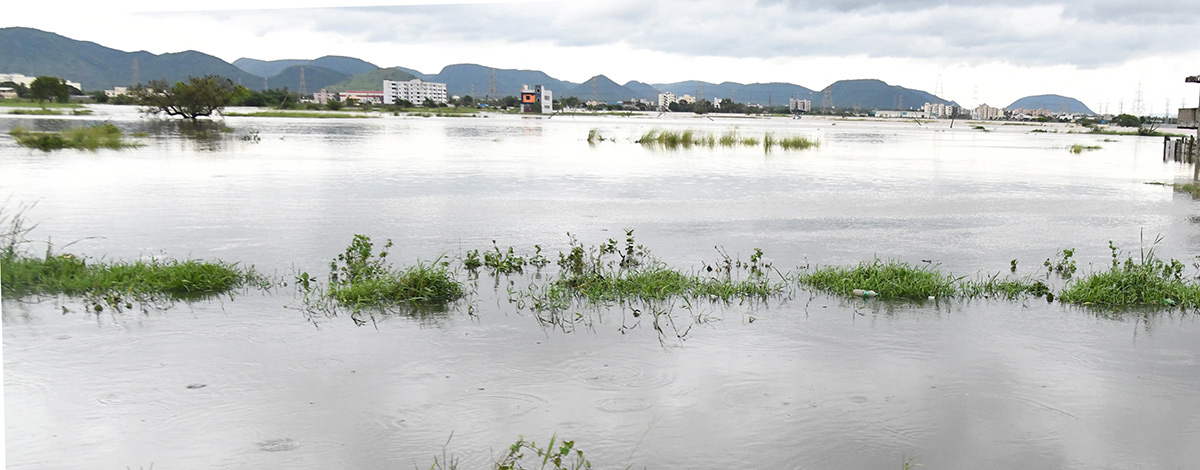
[610, 273]
[1146, 281]
[36, 112]
[85, 138]
[1192, 188]
[796, 143]
[891, 279]
[360, 278]
[298, 114]
[1010, 288]
[22, 274]
[1079, 148]
[72, 275]
[689, 138]
[595, 136]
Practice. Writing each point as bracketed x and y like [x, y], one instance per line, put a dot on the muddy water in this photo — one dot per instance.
[252, 381]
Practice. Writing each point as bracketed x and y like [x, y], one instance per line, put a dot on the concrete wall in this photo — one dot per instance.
[1188, 117]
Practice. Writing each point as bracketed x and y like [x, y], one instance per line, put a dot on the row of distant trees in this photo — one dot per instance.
[202, 96]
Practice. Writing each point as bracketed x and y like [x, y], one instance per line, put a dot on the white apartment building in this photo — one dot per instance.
[799, 106]
[936, 110]
[665, 99]
[324, 97]
[986, 112]
[414, 91]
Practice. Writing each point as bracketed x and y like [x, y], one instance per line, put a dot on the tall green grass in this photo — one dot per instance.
[109, 283]
[299, 114]
[891, 279]
[1145, 281]
[614, 273]
[27, 103]
[84, 138]
[690, 138]
[360, 277]
[36, 112]
[71, 275]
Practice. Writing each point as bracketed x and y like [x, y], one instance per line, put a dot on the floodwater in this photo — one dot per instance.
[252, 380]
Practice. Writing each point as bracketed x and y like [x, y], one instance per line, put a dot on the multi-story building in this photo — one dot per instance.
[324, 97]
[986, 112]
[414, 91]
[373, 97]
[665, 99]
[799, 106]
[934, 110]
[538, 99]
[687, 99]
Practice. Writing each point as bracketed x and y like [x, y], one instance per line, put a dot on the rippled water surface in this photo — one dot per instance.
[811, 381]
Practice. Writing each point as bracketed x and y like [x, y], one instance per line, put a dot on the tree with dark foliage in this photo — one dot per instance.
[198, 97]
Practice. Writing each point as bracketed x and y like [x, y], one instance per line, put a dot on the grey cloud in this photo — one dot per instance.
[1022, 32]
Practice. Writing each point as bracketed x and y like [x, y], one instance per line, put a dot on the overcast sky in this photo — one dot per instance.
[978, 51]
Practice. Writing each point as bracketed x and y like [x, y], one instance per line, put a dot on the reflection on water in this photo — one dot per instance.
[804, 381]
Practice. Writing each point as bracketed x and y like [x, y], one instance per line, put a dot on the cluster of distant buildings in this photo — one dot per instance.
[982, 112]
[414, 91]
[23, 80]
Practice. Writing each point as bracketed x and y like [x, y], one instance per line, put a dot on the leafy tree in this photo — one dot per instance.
[1127, 120]
[100, 96]
[428, 103]
[333, 105]
[198, 97]
[49, 88]
[466, 101]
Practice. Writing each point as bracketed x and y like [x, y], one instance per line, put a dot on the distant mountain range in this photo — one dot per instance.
[34, 52]
[1055, 103]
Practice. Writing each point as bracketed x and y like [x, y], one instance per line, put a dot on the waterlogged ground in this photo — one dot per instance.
[254, 380]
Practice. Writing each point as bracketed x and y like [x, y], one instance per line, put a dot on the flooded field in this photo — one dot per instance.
[802, 380]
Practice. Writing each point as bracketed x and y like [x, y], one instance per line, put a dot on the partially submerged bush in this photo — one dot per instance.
[84, 138]
[360, 278]
[612, 273]
[1147, 281]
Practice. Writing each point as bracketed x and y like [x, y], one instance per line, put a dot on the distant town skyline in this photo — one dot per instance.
[1114, 56]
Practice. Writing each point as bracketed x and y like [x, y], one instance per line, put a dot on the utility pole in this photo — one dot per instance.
[492, 87]
[302, 88]
[137, 80]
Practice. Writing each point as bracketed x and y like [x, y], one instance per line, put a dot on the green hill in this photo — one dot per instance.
[465, 79]
[874, 94]
[315, 78]
[1055, 103]
[599, 88]
[370, 81]
[269, 68]
[32, 52]
[643, 90]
